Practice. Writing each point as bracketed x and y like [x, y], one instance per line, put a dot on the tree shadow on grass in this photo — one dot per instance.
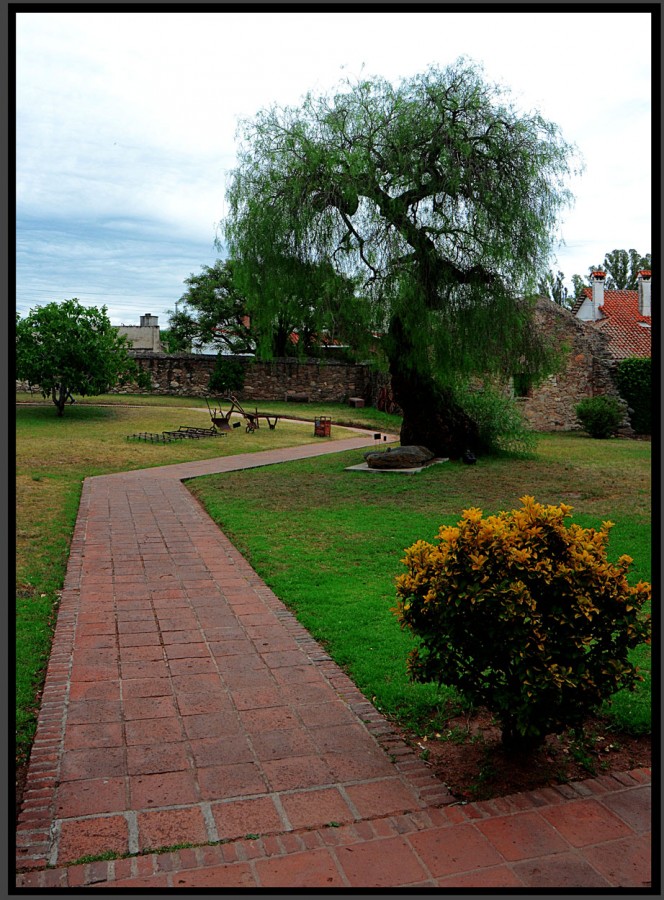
[46, 414]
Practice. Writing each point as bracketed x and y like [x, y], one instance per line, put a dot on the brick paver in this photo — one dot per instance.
[184, 706]
[633, 807]
[522, 835]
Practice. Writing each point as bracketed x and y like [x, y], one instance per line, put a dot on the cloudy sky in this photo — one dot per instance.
[126, 123]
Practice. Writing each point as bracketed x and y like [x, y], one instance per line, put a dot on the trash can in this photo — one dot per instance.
[322, 426]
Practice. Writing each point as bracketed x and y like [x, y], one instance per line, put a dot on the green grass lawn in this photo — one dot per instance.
[340, 413]
[341, 537]
[341, 534]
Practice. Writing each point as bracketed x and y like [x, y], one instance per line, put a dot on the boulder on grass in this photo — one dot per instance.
[398, 458]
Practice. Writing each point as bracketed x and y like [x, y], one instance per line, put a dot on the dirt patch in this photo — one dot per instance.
[468, 757]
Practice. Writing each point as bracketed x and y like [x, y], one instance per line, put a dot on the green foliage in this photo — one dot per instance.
[282, 321]
[360, 529]
[68, 348]
[436, 197]
[633, 378]
[173, 342]
[552, 286]
[578, 284]
[600, 417]
[211, 311]
[227, 377]
[623, 267]
[298, 304]
[501, 426]
[522, 384]
[524, 615]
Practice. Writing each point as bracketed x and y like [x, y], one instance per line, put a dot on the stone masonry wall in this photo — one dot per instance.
[320, 380]
[549, 407]
[587, 373]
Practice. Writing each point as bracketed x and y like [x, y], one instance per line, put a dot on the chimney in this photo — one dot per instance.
[643, 287]
[597, 284]
[148, 320]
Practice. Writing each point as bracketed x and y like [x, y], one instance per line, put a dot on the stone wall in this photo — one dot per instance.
[587, 372]
[549, 407]
[320, 380]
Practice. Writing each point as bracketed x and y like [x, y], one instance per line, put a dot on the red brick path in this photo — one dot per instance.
[184, 704]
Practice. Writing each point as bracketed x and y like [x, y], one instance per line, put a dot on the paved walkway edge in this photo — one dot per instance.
[318, 857]
[405, 850]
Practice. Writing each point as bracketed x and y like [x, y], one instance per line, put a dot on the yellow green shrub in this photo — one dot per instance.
[523, 614]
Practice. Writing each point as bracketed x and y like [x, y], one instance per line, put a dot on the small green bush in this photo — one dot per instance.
[524, 615]
[500, 423]
[633, 379]
[600, 417]
[227, 376]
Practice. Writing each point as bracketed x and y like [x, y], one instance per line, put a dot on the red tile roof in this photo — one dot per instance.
[621, 322]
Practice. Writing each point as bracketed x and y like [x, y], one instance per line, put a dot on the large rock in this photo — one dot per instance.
[398, 458]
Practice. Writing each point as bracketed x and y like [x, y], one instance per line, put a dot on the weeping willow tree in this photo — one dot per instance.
[436, 196]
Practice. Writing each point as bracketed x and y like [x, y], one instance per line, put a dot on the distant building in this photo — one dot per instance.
[624, 317]
[144, 336]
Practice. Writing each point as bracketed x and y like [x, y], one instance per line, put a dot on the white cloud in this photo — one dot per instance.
[131, 116]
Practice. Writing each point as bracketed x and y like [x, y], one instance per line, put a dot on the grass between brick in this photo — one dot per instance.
[341, 535]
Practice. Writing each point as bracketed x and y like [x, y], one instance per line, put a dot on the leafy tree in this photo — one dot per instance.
[440, 197]
[172, 342]
[552, 286]
[622, 268]
[299, 303]
[216, 312]
[212, 312]
[579, 284]
[633, 377]
[68, 349]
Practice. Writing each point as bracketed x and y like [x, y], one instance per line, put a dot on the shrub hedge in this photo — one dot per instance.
[633, 379]
[600, 417]
[523, 615]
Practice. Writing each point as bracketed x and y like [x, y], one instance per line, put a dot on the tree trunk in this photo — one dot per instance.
[59, 396]
[431, 417]
[280, 342]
